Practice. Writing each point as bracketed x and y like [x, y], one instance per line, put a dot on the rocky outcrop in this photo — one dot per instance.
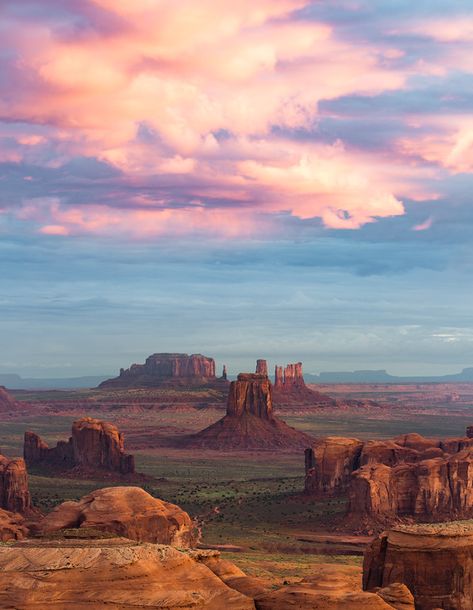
[250, 422]
[14, 491]
[12, 526]
[436, 489]
[332, 587]
[117, 574]
[329, 464]
[290, 389]
[167, 370]
[125, 511]
[409, 477]
[434, 561]
[94, 445]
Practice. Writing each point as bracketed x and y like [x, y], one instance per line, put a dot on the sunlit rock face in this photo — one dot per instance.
[434, 561]
[94, 445]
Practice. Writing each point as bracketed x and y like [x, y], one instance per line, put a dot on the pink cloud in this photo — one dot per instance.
[423, 226]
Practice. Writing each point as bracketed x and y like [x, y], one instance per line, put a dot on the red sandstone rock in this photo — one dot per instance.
[431, 490]
[94, 445]
[262, 367]
[329, 464]
[126, 511]
[435, 562]
[167, 369]
[12, 526]
[278, 378]
[249, 422]
[14, 492]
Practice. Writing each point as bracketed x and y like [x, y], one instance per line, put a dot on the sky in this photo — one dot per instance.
[287, 179]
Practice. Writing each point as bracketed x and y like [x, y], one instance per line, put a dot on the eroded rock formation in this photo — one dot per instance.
[434, 561]
[387, 480]
[12, 526]
[290, 389]
[250, 422]
[329, 464]
[118, 574]
[167, 370]
[125, 511]
[262, 367]
[14, 491]
[94, 445]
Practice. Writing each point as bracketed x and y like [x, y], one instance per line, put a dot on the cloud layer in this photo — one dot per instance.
[226, 117]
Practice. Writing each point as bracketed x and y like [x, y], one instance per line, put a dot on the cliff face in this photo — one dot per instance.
[262, 367]
[14, 492]
[434, 562]
[290, 388]
[166, 369]
[93, 445]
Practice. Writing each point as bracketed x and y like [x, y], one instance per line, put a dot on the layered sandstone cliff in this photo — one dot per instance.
[409, 477]
[125, 511]
[167, 369]
[250, 422]
[94, 445]
[434, 561]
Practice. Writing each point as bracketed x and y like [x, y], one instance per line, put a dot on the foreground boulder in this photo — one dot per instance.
[14, 491]
[94, 445]
[116, 574]
[125, 511]
[250, 422]
[434, 561]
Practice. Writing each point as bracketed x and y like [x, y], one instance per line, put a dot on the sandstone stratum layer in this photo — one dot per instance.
[409, 477]
[434, 561]
[250, 422]
[168, 370]
[130, 512]
[93, 445]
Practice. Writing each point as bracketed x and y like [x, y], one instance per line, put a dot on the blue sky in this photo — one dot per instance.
[289, 180]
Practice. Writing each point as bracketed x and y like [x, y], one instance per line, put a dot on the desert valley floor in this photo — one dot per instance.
[250, 504]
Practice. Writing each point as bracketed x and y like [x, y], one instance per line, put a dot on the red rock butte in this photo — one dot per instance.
[94, 445]
[14, 491]
[250, 422]
[168, 369]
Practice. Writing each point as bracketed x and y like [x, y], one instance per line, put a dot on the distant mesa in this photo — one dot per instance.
[250, 422]
[388, 481]
[433, 561]
[169, 370]
[94, 445]
[125, 511]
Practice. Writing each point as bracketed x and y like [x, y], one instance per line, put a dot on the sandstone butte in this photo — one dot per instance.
[120, 574]
[249, 422]
[15, 499]
[130, 512]
[168, 370]
[434, 561]
[408, 477]
[94, 445]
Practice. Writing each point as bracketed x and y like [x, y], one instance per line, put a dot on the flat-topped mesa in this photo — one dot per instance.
[94, 444]
[14, 491]
[262, 367]
[250, 394]
[166, 369]
[434, 561]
